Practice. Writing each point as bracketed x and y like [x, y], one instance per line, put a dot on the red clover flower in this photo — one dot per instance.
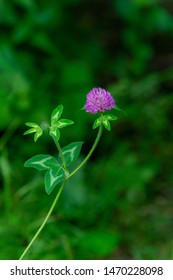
[99, 100]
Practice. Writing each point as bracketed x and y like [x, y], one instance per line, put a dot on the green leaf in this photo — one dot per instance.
[111, 117]
[38, 134]
[42, 162]
[32, 124]
[55, 133]
[56, 114]
[97, 123]
[106, 124]
[71, 152]
[35, 129]
[52, 178]
[64, 122]
[31, 130]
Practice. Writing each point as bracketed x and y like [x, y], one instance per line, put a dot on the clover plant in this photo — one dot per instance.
[57, 173]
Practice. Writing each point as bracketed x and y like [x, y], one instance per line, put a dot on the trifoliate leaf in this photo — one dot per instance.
[42, 162]
[71, 152]
[35, 129]
[56, 114]
[52, 178]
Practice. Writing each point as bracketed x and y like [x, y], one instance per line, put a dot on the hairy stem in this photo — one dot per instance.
[45, 220]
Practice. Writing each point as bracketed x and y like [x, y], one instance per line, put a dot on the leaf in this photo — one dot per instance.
[35, 129]
[97, 123]
[32, 124]
[52, 178]
[31, 130]
[55, 133]
[71, 152]
[56, 114]
[106, 124]
[54, 174]
[64, 122]
[42, 162]
[38, 134]
[111, 117]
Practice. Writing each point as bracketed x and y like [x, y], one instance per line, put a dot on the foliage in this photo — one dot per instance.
[55, 173]
[120, 205]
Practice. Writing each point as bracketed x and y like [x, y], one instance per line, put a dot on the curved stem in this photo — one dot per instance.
[45, 220]
[90, 152]
[62, 186]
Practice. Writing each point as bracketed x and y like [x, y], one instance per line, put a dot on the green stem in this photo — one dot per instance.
[62, 186]
[90, 152]
[61, 154]
[45, 220]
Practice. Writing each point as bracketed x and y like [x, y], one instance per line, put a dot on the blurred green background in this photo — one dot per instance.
[120, 205]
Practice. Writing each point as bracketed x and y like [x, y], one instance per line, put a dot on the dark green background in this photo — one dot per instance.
[120, 205]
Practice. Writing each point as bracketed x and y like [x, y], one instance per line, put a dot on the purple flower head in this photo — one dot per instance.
[99, 100]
